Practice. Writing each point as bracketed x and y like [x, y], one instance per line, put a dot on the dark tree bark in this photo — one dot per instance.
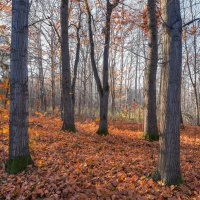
[19, 156]
[68, 118]
[103, 127]
[103, 89]
[68, 86]
[76, 62]
[43, 101]
[113, 78]
[53, 68]
[150, 118]
[169, 156]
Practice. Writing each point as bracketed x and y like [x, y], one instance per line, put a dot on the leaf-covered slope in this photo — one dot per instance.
[86, 166]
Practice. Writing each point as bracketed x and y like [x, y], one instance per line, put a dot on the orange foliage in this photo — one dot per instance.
[4, 7]
[86, 166]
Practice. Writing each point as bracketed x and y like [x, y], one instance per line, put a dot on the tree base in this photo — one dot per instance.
[157, 177]
[18, 164]
[71, 129]
[102, 132]
[151, 137]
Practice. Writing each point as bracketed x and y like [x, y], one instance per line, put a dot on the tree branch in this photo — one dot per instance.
[190, 22]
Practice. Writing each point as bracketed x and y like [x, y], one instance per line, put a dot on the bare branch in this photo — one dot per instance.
[190, 22]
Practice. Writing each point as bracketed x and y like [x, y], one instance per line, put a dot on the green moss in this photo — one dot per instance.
[177, 181]
[102, 132]
[151, 137]
[18, 164]
[71, 129]
[156, 176]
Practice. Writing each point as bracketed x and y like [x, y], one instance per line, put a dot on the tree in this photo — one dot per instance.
[19, 155]
[169, 155]
[103, 89]
[150, 118]
[76, 62]
[68, 114]
[68, 85]
[53, 69]
[43, 100]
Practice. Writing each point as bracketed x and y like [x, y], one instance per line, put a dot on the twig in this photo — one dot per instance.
[190, 22]
[40, 20]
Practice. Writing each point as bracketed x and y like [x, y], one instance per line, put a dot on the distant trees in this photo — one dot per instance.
[53, 70]
[169, 154]
[43, 101]
[191, 52]
[129, 56]
[68, 117]
[19, 155]
[150, 117]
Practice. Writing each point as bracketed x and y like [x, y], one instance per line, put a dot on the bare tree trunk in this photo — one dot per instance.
[43, 103]
[68, 118]
[19, 156]
[61, 92]
[78, 46]
[169, 155]
[112, 77]
[137, 67]
[53, 76]
[103, 89]
[150, 118]
[121, 74]
[103, 127]
[31, 91]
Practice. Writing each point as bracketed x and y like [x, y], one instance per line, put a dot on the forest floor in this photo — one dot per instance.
[85, 166]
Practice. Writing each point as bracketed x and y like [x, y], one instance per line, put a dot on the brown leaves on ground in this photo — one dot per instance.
[85, 166]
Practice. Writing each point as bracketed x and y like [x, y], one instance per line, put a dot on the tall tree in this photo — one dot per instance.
[68, 85]
[43, 101]
[150, 118]
[76, 62]
[103, 88]
[53, 70]
[68, 114]
[19, 155]
[169, 155]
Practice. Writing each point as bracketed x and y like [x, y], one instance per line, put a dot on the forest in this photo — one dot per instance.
[99, 99]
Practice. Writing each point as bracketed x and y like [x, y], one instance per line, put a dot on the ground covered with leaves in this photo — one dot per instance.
[86, 166]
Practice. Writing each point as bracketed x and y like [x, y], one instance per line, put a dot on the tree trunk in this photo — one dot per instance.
[68, 118]
[78, 46]
[112, 78]
[19, 156]
[150, 118]
[103, 127]
[169, 155]
[53, 76]
[103, 89]
[43, 103]
[121, 74]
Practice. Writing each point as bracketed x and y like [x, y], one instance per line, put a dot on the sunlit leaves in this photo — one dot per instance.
[84, 165]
